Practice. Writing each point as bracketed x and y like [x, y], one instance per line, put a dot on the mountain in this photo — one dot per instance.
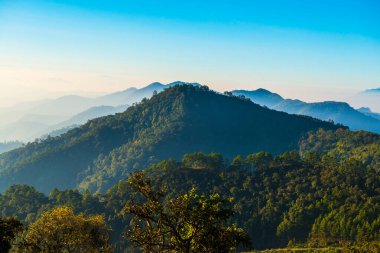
[134, 95]
[31, 120]
[368, 98]
[294, 197]
[117, 98]
[261, 96]
[179, 120]
[83, 117]
[8, 146]
[367, 111]
[338, 112]
[22, 130]
[373, 90]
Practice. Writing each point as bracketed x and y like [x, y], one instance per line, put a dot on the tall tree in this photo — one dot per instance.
[187, 223]
[9, 228]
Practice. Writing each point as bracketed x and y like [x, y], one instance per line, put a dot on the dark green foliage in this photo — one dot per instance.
[311, 199]
[177, 121]
[345, 145]
[9, 228]
[187, 223]
[23, 201]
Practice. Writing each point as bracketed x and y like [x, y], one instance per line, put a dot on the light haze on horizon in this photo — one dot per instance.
[312, 50]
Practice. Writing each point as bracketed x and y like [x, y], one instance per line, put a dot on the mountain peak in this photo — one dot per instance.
[179, 120]
[183, 83]
[372, 90]
[261, 96]
[154, 85]
[264, 91]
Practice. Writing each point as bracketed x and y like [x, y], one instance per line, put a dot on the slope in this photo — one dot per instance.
[338, 112]
[179, 120]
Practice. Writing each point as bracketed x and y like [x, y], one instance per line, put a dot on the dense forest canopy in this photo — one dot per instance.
[179, 120]
[328, 194]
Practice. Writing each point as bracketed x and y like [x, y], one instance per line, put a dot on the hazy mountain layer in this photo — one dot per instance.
[179, 120]
[31, 120]
[338, 112]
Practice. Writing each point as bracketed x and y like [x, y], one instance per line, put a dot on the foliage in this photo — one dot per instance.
[98, 154]
[343, 144]
[9, 228]
[327, 195]
[188, 223]
[60, 230]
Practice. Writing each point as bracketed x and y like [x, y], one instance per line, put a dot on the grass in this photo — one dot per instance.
[304, 250]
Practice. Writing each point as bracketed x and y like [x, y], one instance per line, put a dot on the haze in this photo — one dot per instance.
[312, 50]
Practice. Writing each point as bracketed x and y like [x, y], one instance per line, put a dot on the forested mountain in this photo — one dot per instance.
[179, 120]
[327, 195]
[339, 112]
[134, 95]
[28, 121]
[7, 146]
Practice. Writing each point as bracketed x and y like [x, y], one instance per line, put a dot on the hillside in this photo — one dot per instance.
[179, 120]
[338, 112]
[7, 146]
[367, 111]
[315, 200]
[30, 120]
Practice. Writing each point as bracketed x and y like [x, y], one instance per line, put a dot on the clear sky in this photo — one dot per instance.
[313, 50]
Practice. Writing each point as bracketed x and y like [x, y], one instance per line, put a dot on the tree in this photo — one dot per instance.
[187, 223]
[60, 230]
[9, 228]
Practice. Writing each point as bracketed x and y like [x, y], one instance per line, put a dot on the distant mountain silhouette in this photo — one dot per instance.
[338, 112]
[373, 90]
[181, 119]
[368, 98]
[31, 120]
[367, 111]
[8, 146]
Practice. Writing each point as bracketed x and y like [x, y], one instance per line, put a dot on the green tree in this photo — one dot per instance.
[187, 223]
[9, 228]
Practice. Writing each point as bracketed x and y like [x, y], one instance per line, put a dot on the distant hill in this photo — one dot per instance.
[179, 120]
[338, 112]
[7, 146]
[22, 130]
[373, 90]
[31, 120]
[261, 96]
[367, 111]
[82, 117]
[134, 95]
[368, 98]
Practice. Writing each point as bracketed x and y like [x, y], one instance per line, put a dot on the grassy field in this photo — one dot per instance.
[369, 247]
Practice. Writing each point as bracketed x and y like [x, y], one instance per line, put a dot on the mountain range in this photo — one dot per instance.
[28, 121]
[369, 98]
[339, 112]
[179, 120]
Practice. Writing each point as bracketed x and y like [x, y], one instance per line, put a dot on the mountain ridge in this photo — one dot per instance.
[179, 120]
[340, 112]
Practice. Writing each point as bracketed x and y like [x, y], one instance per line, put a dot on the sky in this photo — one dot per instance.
[312, 50]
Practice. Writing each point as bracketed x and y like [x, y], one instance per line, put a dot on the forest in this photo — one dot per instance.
[181, 119]
[327, 194]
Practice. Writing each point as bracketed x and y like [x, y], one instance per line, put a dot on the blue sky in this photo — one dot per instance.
[314, 50]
